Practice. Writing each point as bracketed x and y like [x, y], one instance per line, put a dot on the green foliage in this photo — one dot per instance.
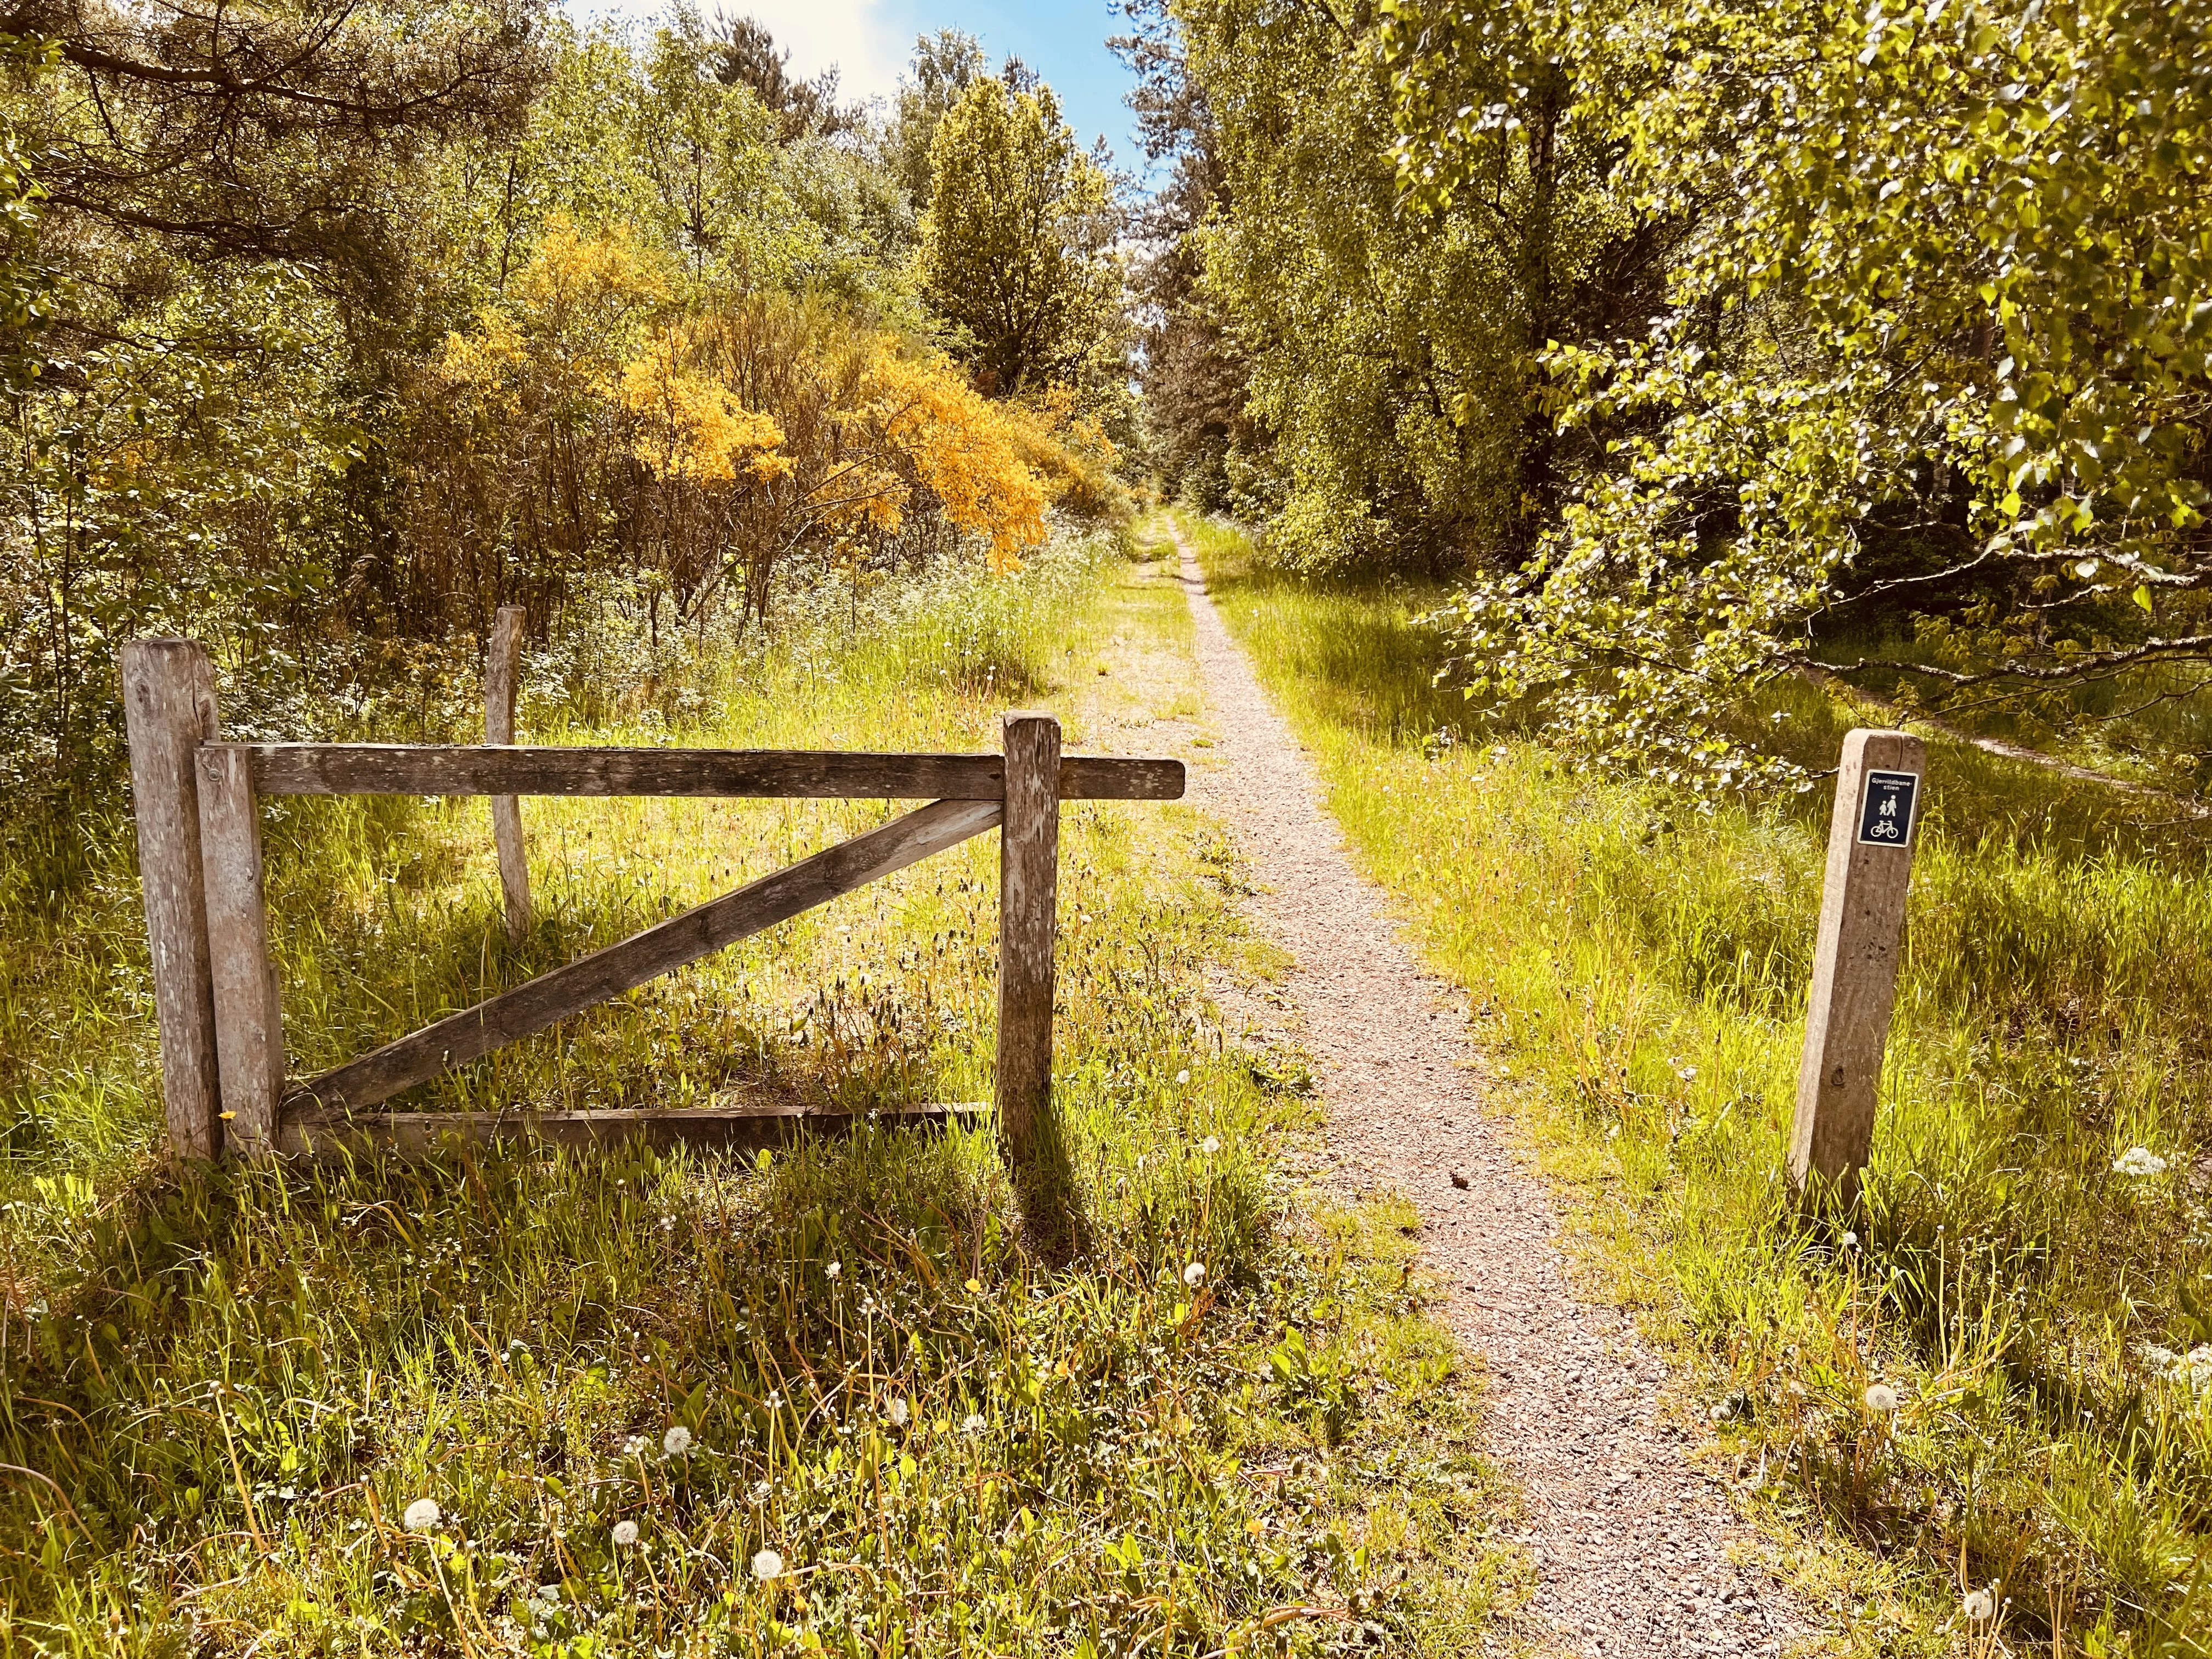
[1639, 971]
[1016, 247]
[1934, 360]
[1393, 354]
[327, 395]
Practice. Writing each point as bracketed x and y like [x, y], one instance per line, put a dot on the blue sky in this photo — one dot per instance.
[869, 40]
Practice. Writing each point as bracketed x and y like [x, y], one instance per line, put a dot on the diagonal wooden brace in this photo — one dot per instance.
[530, 1008]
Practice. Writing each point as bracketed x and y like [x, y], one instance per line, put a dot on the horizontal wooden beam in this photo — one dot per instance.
[315, 1132]
[387, 768]
[570, 989]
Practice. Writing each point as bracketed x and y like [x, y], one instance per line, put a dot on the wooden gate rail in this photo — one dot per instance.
[216, 991]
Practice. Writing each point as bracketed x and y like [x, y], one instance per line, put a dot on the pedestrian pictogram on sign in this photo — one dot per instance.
[1885, 809]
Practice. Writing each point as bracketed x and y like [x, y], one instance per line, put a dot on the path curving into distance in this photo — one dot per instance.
[1630, 1544]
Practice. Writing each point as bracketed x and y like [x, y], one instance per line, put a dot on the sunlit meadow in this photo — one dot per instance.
[2028, 1280]
[518, 1401]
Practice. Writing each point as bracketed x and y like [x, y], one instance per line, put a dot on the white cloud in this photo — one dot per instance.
[868, 46]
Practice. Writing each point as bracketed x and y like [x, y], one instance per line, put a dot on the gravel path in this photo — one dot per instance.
[1629, 1543]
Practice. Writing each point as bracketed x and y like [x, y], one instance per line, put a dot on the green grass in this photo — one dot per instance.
[220, 1389]
[1639, 970]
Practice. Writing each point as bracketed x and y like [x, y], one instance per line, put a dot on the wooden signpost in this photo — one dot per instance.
[1870, 841]
[216, 991]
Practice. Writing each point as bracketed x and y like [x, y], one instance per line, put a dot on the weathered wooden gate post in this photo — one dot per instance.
[168, 710]
[1029, 889]
[1870, 838]
[249, 1021]
[502, 669]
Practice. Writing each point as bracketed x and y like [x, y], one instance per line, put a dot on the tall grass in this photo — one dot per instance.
[1639, 969]
[831, 1400]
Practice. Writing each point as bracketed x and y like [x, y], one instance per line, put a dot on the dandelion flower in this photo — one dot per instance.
[1979, 1606]
[2139, 1161]
[767, 1564]
[1183, 1077]
[677, 1441]
[973, 1423]
[1880, 1398]
[625, 1533]
[1209, 1145]
[1194, 1274]
[897, 1413]
[834, 1269]
[423, 1514]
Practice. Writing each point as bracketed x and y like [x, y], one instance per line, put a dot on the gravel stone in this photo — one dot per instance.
[1630, 1544]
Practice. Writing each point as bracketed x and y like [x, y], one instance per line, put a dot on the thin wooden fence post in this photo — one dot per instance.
[168, 711]
[1870, 841]
[503, 672]
[1029, 886]
[249, 1020]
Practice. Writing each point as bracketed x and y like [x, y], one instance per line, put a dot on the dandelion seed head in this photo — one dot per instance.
[1979, 1605]
[1880, 1398]
[677, 1441]
[1209, 1145]
[973, 1423]
[767, 1564]
[897, 1412]
[1194, 1274]
[423, 1514]
[1851, 1241]
[625, 1533]
[1183, 1076]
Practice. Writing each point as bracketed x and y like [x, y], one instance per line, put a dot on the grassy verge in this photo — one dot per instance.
[830, 1400]
[1639, 971]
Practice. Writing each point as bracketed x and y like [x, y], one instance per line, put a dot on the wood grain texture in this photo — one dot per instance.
[375, 769]
[249, 1022]
[502, 673]
[168, 711]
[1854, 973]
[1029, 891]
[568, 990]
[316, 1132]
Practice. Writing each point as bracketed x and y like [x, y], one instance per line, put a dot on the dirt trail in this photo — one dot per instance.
[1630, 1544]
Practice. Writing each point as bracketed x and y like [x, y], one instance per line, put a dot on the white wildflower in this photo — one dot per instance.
[897, 1413]
[634, 1446]
[2139, 1161]
[973, 1423]
[423, 1514]
[1209, 1145]
[1979, 1606]
[767, 1564]
[774, 1401]
[1880, 1398]
[834, 1269]
[1183, 1077]
[1194, 1274]
[625, 1533]
[2193, 1369]
[677, 1441]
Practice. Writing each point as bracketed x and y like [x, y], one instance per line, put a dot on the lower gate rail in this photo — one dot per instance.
[216, 991]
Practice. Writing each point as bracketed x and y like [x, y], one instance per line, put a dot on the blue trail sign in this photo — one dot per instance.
[1885, 809]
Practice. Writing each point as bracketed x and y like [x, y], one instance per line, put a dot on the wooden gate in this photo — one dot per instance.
[216, 992]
